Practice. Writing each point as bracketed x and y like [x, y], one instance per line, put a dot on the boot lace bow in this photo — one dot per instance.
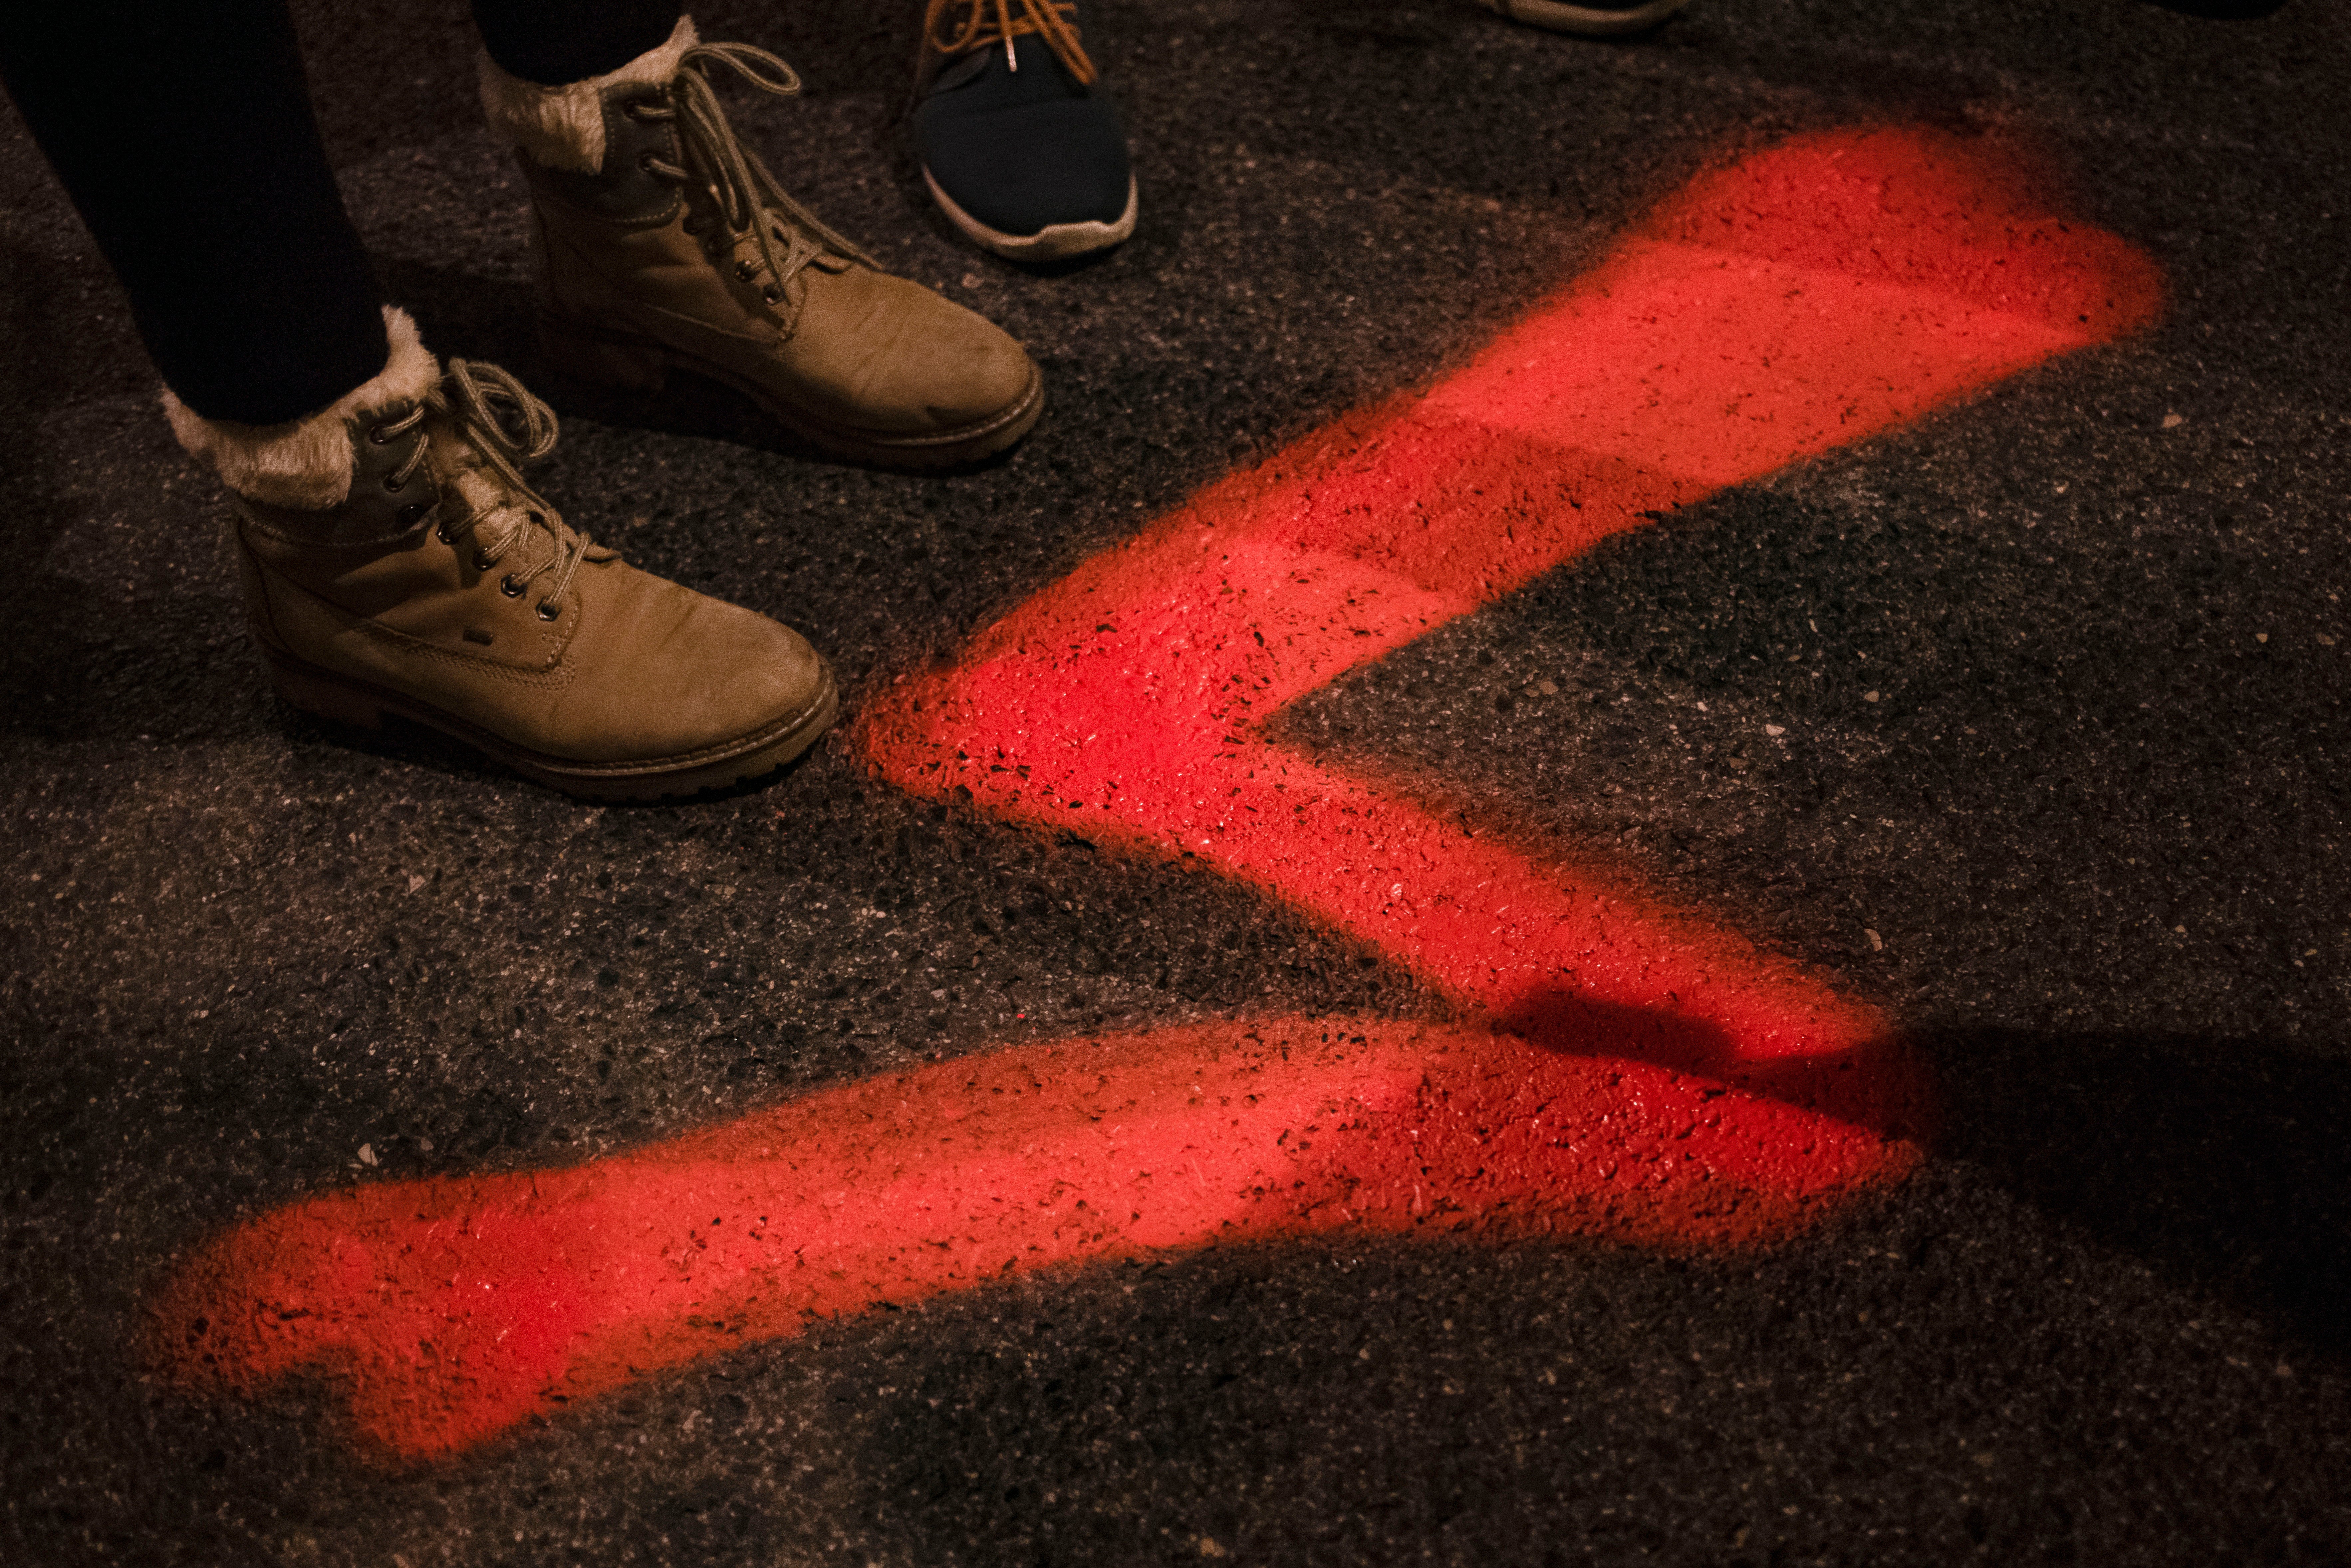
[734, 185]
[505, 427]
[955, 26]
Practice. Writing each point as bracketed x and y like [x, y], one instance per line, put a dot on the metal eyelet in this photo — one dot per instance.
[483, 562]
[509, 587]
[395, 483]
[377, 436]
[744, 269]
[645, 162]
[441, 531]
[771, 294]
[412, 512]
[549, 609]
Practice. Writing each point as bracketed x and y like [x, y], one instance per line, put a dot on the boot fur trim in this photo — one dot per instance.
[563, 126]
[306, 465]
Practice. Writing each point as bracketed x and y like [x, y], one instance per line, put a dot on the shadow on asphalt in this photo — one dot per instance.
[2222, 1164]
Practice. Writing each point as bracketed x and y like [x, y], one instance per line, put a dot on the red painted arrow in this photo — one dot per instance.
[1805, 298]
[1640, 1075]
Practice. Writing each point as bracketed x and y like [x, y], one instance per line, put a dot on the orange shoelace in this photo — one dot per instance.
[987, 22]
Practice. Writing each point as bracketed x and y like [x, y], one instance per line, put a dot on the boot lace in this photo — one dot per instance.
[505, 427]
[954, 26]
[736, 185]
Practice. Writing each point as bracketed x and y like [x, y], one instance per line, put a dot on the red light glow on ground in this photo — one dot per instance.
[1810, 295]
[452, 1309]
[1627, 1071]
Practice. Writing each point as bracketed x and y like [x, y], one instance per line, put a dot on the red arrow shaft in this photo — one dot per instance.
[450, 1310]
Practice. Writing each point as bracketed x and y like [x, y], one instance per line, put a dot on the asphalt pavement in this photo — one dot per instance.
[2018, 723]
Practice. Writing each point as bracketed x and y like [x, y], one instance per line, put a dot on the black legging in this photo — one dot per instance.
[185, 134]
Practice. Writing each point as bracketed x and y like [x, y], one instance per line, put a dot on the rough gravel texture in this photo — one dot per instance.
[2061, 781]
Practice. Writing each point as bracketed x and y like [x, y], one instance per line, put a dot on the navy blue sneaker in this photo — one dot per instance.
[1019, 144]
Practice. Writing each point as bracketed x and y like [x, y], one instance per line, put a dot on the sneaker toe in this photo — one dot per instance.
[1025, 168]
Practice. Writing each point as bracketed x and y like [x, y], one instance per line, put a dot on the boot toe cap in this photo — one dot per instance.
[919, 366]
[972, 372]
[678, 673]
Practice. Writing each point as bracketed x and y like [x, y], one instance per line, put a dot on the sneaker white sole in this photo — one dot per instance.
[1055, 242]
[1585, 20]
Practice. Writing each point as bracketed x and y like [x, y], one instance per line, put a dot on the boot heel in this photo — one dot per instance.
[601, 362]
[327, 699]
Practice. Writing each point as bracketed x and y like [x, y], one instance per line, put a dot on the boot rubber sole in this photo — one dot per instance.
[347, 700]
[1054, 242]
[626, 363]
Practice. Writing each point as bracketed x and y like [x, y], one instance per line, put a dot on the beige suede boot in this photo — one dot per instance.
[662, 244]
[395, 561]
